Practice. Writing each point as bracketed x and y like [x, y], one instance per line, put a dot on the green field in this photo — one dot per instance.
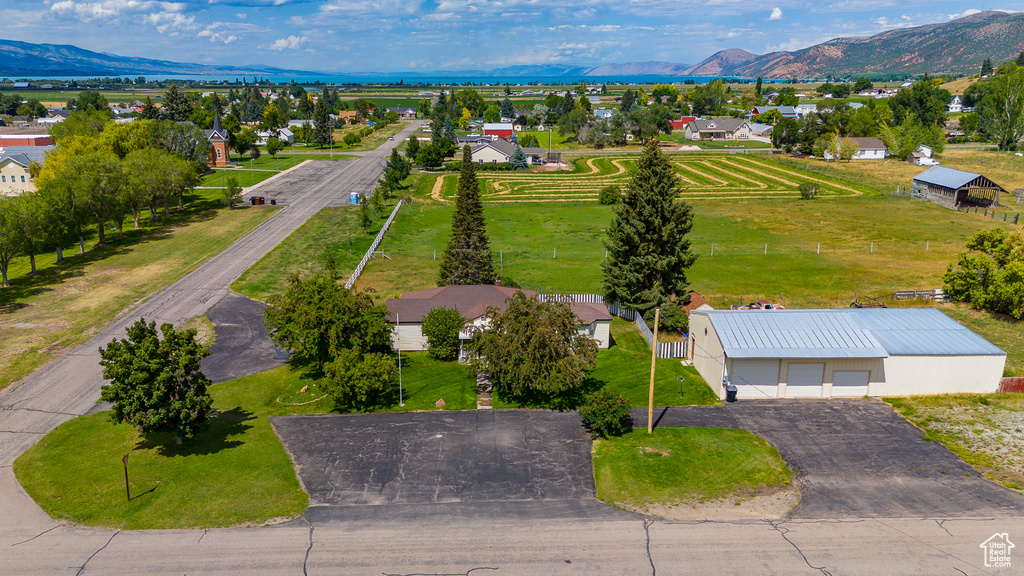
[704, 177]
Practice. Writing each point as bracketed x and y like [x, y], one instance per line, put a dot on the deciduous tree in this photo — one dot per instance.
[156, 385]
[441, 326]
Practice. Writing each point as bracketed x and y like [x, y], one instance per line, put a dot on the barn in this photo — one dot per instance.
[841, 353]
[500, 129]
[955, 188]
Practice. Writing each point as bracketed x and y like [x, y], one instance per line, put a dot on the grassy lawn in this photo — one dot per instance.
[625, 368]
[370, 142]
[685, 465]
[250, 172]
[44, 316]
[999, 329]
[235, 473]
[987, 431]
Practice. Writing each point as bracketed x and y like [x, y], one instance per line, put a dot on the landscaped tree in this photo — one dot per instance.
[89, 100]
[533, 348]
[412, 148]
[10, 234]
[990, 275]
[1001, 110]
[156, 385]
[924, 100]
[441, 326]
[316, 318]
[467, 258]
[177, 106]
[507, 110]
[648, 248]
[519, 159]
[361, 381]
[862, 83]
[274, 146]
[232, 193]
[323, 132]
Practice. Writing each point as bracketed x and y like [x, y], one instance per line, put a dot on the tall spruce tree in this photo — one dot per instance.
[507, 110]
[323, 133]
[986, 67]
[467, 259]
[648, 251]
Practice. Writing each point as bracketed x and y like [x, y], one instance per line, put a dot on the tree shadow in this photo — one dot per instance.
[224, 426]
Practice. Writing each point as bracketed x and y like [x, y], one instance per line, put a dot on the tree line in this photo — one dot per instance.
[101, 174]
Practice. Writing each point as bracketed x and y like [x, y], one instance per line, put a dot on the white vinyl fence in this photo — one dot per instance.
[376, 242]
[665, 349]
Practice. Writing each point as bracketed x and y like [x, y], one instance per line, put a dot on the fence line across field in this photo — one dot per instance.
[373, 247]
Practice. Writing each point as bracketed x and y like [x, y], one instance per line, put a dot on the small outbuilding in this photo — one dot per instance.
[841, 353]
[955, 188]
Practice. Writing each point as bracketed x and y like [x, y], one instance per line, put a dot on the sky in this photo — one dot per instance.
[365, 36]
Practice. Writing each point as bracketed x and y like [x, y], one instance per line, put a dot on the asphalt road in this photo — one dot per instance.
[461, 542]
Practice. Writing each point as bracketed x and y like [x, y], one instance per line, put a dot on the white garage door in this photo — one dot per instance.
[848, 383]
[804, 380]
[755, 378]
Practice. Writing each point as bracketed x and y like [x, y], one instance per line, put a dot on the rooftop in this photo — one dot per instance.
[472, 302]
[946, 177]
[844, 333]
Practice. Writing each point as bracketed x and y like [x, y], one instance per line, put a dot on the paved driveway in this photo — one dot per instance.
[482, 457]
[241, 346]
[856, 458]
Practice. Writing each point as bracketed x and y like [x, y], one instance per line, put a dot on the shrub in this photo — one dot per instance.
[606, 414]
[352, 138]
[673, 317]
[808, 190]
[361, 382]
[610, 194]
[441, 327]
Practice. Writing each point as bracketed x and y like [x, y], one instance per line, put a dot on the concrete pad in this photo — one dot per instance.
[433, 457]
[857, 459]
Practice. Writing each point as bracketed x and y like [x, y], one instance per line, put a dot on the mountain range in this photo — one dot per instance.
[957, 46]
[27, 59]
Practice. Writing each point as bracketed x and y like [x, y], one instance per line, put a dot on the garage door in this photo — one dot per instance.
[848, 383]
[755, 378]
[804, 380]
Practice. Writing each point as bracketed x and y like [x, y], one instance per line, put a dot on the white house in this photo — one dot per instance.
[956, 105]
[283, 134]
[849, 352]
[500, 151]
[867, 149]
[472, 301]
[718, 129]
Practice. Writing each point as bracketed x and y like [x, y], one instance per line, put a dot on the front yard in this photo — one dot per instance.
[987, 431]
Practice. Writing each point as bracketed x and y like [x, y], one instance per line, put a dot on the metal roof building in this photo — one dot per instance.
[956, 187]
[841, 353]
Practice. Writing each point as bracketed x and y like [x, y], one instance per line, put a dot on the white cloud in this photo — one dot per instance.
[111, 9]
[241, 15]
[290, 43]
[967, 12]
[776, 14]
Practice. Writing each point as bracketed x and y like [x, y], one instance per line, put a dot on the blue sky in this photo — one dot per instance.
[432, 35]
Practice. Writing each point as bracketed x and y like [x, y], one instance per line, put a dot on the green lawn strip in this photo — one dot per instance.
[370, 142]
[625, 368]
[332, 229]
[63, 306]
[235, 473]
[982, 429]
[685, 465]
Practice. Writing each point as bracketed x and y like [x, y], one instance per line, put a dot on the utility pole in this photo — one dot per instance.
[654, 358]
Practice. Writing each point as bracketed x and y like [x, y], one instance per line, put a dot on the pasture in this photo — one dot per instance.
[704, 177]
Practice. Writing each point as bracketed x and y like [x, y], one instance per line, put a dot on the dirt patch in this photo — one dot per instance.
[649, 450]
[762, 505]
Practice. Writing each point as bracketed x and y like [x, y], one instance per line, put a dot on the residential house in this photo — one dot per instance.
[718, 129]
[956, 105]
[785, 111]
[407, 313]
[404, 112]
[15, 178]
[285, 135]
[761, 130]
[805, 109]
[500, 150]
[922, 156]
[605, 113]
[867, 149]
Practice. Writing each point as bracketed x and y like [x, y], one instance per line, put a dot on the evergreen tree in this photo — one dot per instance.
[177, 106]
[449, 132]
[648, 251]
[149, 110]
[986, 67]
[1020, 59]
[507, 110]
[757, 89]
[628, 99]
[519, 159]
[322, 131]
[467, 258]
[413, 147]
